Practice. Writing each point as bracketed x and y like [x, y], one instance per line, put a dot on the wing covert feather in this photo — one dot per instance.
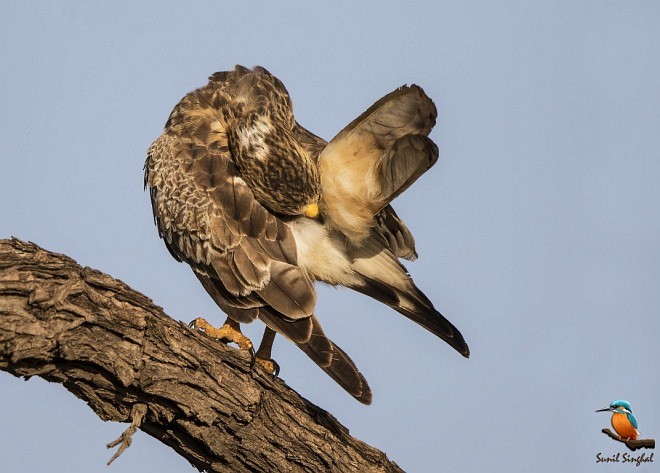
[211, 220]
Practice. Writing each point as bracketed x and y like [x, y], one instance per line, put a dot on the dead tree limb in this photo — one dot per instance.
[113, 348]
[631, 443]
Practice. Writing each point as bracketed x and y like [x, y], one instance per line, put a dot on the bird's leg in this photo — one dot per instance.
[264, 353]
[229, 332]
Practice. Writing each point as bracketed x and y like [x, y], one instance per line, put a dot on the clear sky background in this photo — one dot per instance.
[538, 229]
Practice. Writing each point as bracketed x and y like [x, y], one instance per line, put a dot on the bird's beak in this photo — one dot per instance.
[312, 211]
[608, 408]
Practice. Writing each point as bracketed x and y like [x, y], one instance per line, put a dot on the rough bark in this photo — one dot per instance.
[630, 443]
[113, 348]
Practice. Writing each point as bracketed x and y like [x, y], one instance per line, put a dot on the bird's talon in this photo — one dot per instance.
[253, 358]
[199, 324]
[230, 332]
[269, 365]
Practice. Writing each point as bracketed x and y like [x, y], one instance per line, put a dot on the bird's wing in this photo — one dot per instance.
[632, 419]
[406, 110]
[244, 255]
[395, 234]
[250, 268]
[375, 158]
[309, 141]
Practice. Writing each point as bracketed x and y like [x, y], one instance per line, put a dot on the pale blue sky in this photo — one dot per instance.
[538, 229]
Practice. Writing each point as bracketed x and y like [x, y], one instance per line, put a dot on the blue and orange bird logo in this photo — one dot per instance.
[625, 425]
[623, 420]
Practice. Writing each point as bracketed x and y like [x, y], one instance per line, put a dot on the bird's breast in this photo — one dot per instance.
[623, 426]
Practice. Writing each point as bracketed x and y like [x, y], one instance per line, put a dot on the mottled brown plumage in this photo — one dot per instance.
[232, 177]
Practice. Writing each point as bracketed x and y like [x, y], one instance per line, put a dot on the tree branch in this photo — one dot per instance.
[630, 443]
[113, 348]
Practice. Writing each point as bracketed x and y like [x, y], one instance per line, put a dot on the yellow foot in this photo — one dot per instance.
[229, 332]
[269, 365]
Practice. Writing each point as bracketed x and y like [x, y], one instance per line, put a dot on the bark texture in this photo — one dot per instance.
[115, 349]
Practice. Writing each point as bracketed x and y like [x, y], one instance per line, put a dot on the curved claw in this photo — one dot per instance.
[270, 365]
[253, 358]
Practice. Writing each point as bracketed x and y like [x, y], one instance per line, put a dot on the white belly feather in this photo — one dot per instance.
[322, 254]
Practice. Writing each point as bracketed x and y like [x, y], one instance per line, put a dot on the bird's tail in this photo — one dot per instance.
[336, 363]
[328, 356]
[384, 278]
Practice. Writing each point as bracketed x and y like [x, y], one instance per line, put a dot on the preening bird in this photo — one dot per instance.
[261, 209]
[623, 420]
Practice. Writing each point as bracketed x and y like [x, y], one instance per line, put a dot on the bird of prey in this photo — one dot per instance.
[261, 209]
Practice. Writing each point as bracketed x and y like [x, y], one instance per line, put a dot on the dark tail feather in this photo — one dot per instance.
[299, 331]
[418, 308]
[308, 335]
[336, 363]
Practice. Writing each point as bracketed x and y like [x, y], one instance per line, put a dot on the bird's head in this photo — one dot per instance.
[280, 172]
[620, 406]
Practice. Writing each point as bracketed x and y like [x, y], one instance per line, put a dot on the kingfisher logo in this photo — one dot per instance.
[625, 427]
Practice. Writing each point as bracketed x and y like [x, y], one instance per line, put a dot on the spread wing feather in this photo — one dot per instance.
[375, 158]
[410, 157]
[407, 110]
[395, 235]
[392, 230]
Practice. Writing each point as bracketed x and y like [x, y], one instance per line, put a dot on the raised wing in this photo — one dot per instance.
[395, 234]
[375, 158]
